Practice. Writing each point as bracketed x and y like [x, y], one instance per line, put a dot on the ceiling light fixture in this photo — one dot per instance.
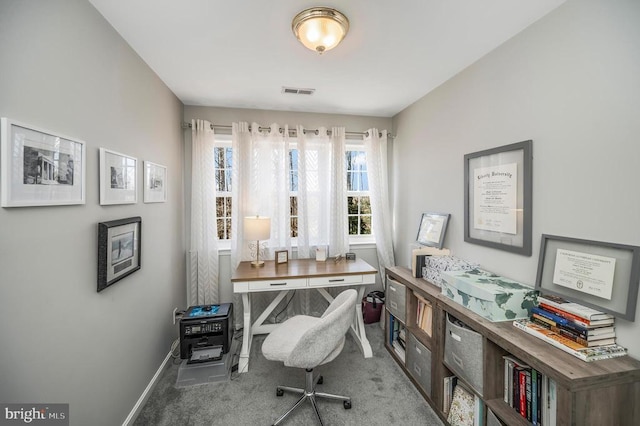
[320, 28]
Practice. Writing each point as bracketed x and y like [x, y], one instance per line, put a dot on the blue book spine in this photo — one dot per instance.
[559, 320]
[534, 397]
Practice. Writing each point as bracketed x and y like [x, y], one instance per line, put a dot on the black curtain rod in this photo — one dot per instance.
[291, 131]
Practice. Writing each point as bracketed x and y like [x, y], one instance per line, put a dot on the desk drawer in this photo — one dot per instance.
[336, 280]
[283, 284]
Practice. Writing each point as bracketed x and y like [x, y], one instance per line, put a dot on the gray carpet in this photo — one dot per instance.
[380, 392]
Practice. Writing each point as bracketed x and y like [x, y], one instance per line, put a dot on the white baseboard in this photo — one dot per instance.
[143, 398]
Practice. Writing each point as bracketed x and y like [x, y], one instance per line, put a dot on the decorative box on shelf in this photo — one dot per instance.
[489, 295]
[435, 265]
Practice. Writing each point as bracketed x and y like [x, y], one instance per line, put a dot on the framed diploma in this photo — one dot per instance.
[433, 227]
[497, 197]
[602, 276]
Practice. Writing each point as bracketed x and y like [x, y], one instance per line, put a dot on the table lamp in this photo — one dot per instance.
[257, 228]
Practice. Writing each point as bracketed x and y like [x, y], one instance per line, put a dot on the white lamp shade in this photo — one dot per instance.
[257, 228]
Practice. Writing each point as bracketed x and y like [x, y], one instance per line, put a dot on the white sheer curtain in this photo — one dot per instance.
[203, 254]
[375, 146]
[260, 186]
[262, 170]
[322, 192]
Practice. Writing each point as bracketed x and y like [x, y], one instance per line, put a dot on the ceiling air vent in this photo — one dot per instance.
[297, 91]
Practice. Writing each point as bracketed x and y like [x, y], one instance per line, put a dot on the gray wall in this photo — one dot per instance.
[66, 70]
[226, 116]
[571, 83]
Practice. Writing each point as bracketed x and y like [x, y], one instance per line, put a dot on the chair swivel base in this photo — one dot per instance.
[309, 393]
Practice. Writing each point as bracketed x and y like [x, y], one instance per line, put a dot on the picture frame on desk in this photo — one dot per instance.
[281, 257]
[497, 197]
[432, 229]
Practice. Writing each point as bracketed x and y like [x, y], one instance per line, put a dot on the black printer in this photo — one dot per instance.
[206, 332]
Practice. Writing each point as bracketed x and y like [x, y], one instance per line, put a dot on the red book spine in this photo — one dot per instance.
[523, 394]
[568, 315]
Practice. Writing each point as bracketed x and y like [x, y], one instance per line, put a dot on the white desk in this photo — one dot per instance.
[294, 275]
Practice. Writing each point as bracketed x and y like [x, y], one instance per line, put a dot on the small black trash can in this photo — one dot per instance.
[372, 305]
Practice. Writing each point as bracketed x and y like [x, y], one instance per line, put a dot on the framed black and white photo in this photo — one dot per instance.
[281, 257]
[118, 174]
[119, 250]
[433, 227]
[39, 167]
[497, 197]
[155, 183]
[603, 276]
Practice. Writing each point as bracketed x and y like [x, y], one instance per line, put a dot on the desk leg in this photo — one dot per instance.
[243, 364]
[357, 327]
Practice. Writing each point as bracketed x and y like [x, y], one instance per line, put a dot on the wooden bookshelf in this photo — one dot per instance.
[588, 393]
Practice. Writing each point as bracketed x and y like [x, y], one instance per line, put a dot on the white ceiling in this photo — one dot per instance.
[239, 53]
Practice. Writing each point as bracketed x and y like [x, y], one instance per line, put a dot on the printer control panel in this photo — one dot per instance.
[208, 327]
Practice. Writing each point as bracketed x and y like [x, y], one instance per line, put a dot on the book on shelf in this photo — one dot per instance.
[463, 407]
[589, 315]
[574, 348]
[449, 384]
[554, 319]
[586, 341]
[424, 315]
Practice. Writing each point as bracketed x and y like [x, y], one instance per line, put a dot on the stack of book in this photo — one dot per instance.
[529, 392]
[581, 331]
[397, 337]
[424, 315]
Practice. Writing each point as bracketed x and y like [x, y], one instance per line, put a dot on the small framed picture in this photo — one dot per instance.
[155, 183]
[433, 227]
[39, 167]
[118, 174]
[282, 256]
[119, 250]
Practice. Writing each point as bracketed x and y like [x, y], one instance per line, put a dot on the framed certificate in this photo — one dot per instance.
[433, 227]
[497, 197]
[602, 276]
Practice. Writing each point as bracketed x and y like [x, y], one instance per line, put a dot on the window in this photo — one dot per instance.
[358, 203]
[223, 168]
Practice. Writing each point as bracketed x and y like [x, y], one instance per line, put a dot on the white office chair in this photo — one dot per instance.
[306, 342]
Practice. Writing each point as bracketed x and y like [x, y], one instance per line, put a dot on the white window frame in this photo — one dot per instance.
[224, 141]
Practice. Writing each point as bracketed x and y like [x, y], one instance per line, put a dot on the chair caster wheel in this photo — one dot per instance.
[279, 392]
[347, 405]
[320, 380]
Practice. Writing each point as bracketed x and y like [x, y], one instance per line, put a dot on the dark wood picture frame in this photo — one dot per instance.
[508, 226]
[119, 250]
[279, 255]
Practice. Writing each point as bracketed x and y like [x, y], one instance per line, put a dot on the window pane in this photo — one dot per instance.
[294, 227]
[293, 206]
[220, 186]
[352, 205]
[365, 225]
[351, 185]
[219, 157]
[365, 205]
[220, 207]
[229, 156]
[220, 225]
[353, 225]
[227, 223]
[228, 206]
[293, 181]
